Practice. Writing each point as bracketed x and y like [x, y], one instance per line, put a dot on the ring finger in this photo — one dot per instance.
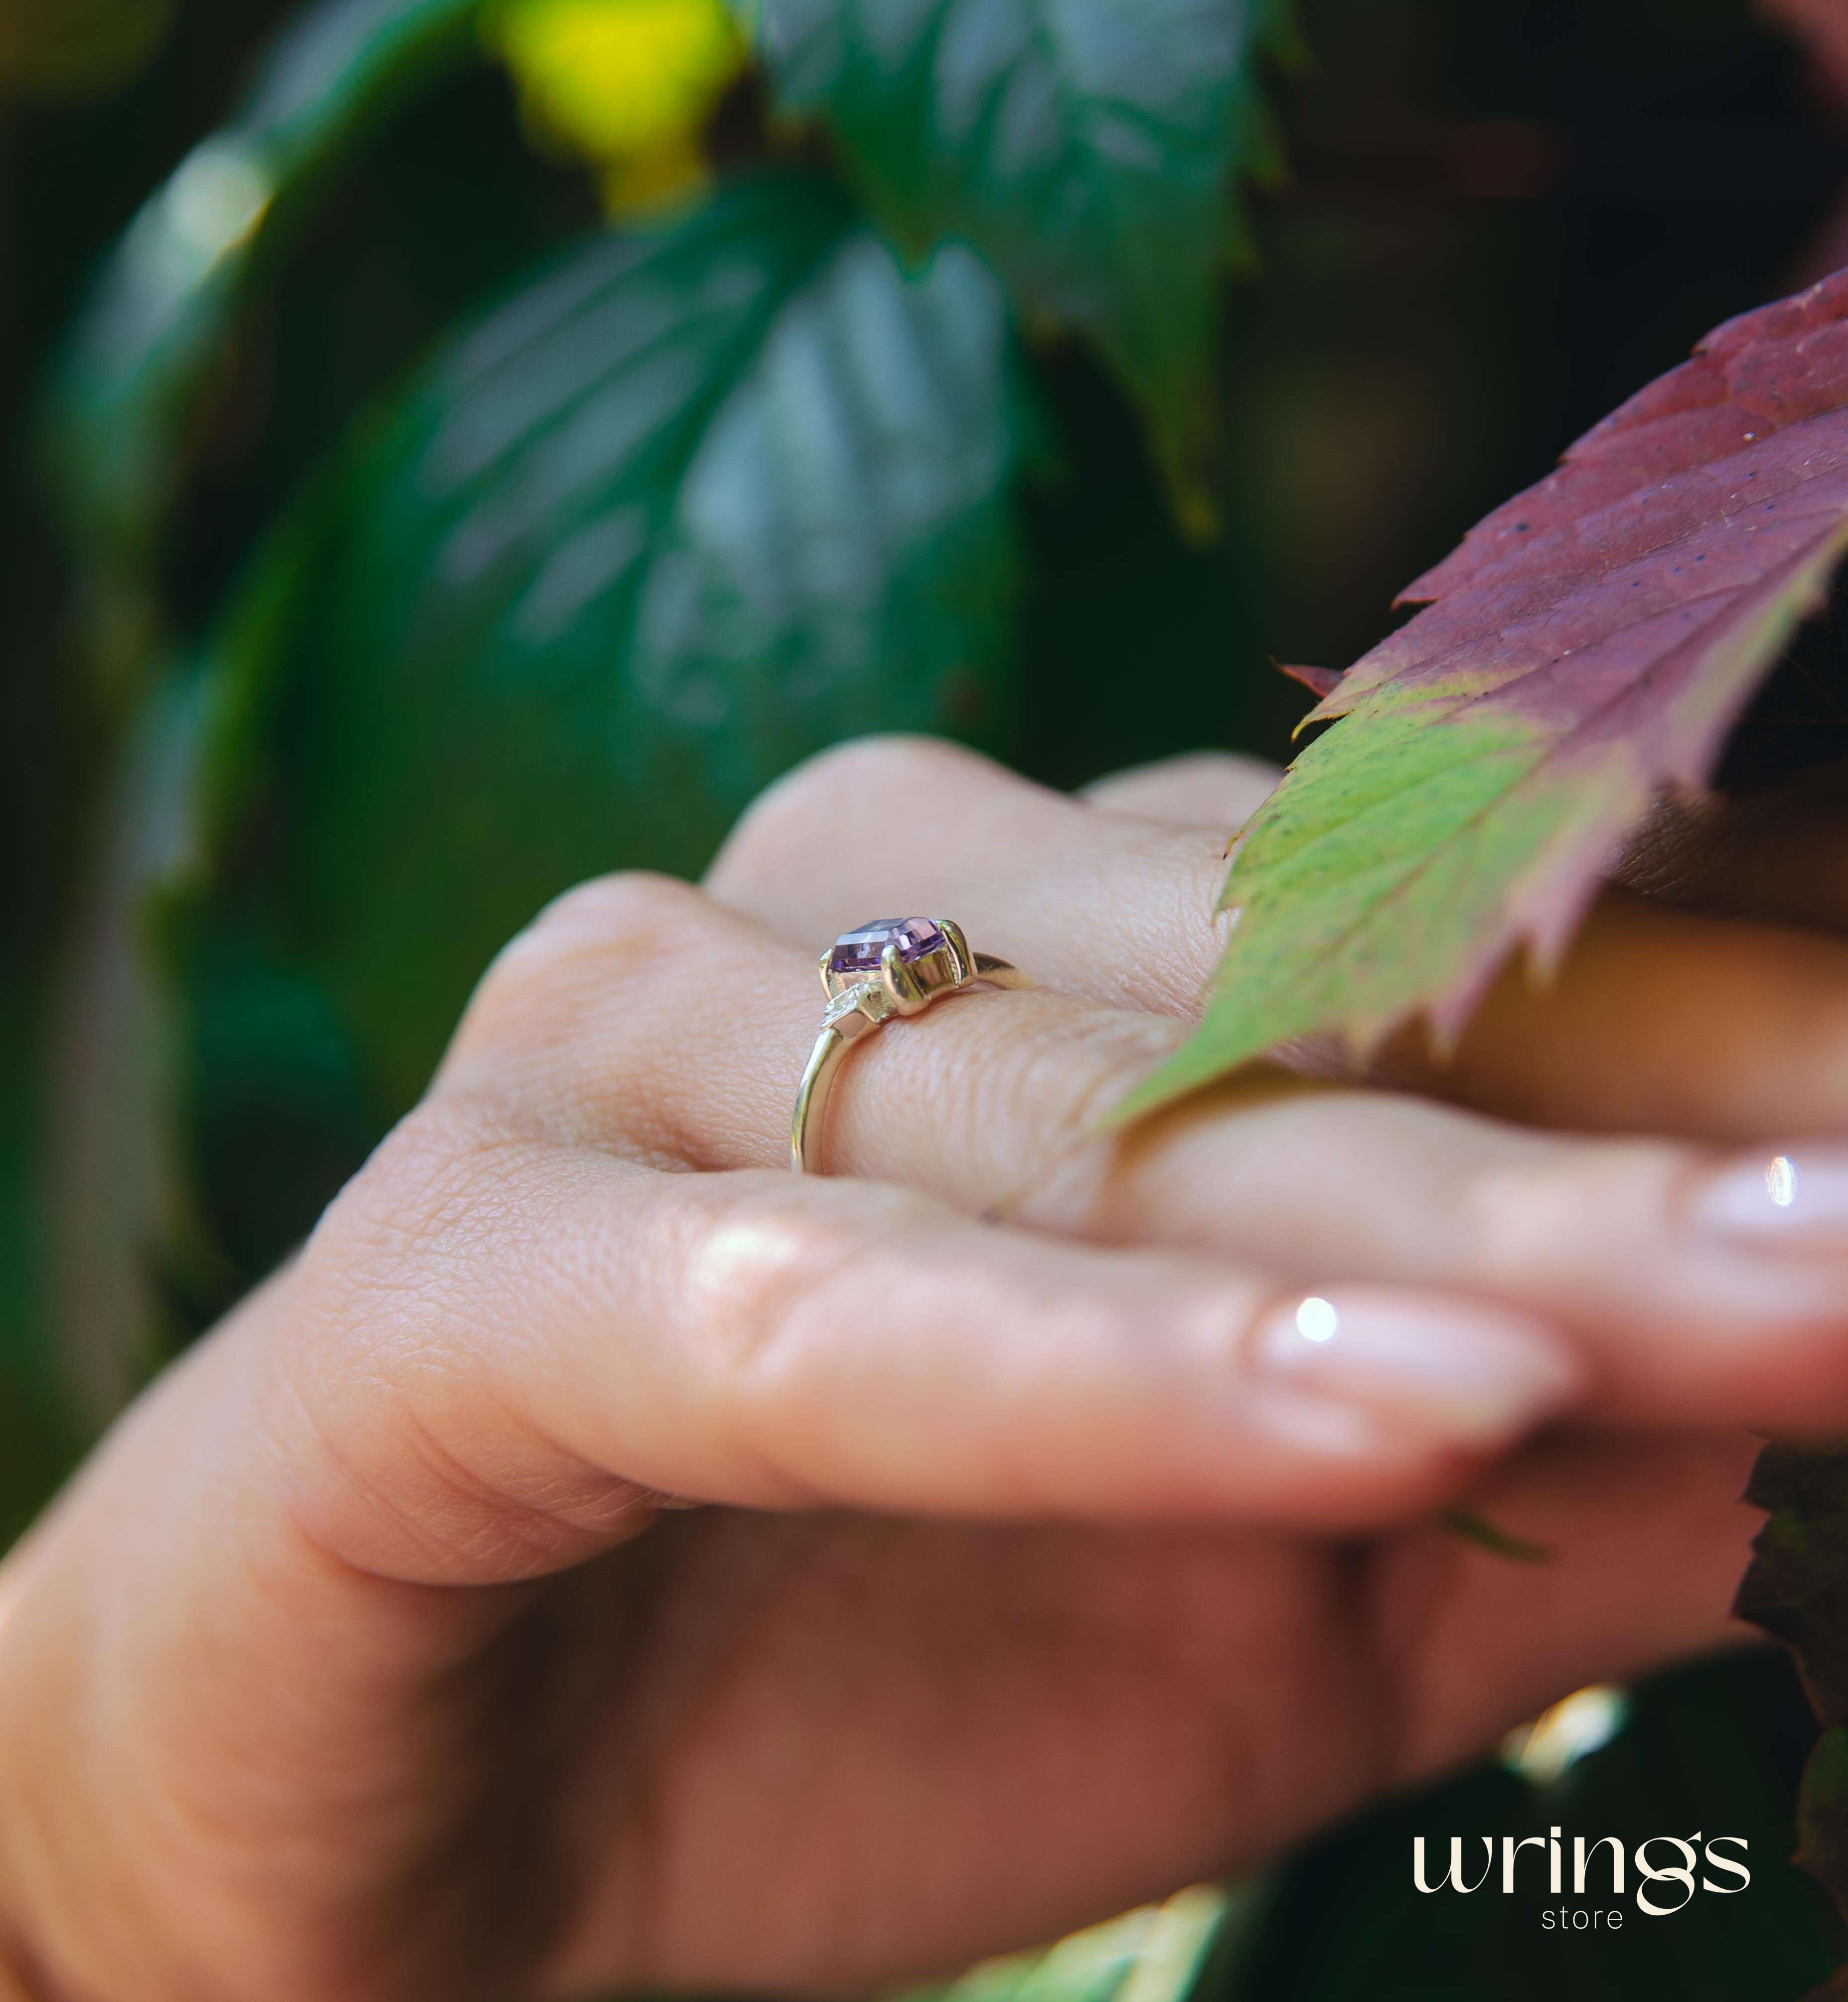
[1690, 1296]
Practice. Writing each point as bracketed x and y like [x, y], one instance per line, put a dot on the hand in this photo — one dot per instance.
[368, 1658]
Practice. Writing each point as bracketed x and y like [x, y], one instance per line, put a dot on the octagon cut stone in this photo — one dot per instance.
[861, 950]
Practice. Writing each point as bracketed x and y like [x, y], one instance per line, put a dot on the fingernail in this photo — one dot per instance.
[1456, 1374]
[1777, 1197]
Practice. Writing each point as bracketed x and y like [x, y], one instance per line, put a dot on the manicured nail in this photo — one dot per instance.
[1778, 1197]
[1456, 1374]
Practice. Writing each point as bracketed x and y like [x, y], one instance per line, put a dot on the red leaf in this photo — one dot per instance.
[1319, 681]
[1665, 525]
[1636, 596]
[1586, 649]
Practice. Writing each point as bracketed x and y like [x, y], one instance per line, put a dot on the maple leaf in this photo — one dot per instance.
[1586, 649]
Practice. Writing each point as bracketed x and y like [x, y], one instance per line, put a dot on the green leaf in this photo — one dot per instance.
[1088, 149]
[121, 1191]
[693, 505]
[1823, 1816]
[1477, 1528]
[1153, 1954]
[1587, 647]
[157, 324]
[187, 1065]
[37, 1442]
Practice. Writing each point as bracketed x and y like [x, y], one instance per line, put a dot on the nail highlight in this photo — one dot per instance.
[1419, 1367]
[1778, 1198]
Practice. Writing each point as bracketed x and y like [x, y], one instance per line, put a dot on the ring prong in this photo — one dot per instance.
[909, 996]
[859, 1003]
[959, 945]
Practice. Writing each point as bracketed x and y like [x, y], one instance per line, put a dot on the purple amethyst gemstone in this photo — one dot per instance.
[861, 950]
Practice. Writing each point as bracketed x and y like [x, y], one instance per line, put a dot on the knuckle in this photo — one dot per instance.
[1210, 779]
[627, 917]
[784, 819]
[1568, 1203]
[757, 1273]
[429, 1183]
[605, 933]
[762, 1294]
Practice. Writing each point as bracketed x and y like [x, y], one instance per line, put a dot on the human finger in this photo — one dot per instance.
[1779, 855]
[1666, 1018]
[1207, 789]
[1661, 1019]
[1643, 1542]
[775, 1342]
[1117, 907]
[638, 1016]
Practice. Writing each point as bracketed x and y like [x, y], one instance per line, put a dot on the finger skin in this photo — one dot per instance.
[207, 1722]
[1181, 1702]
[286, 1582]
[563, 1319]
[190, 1621]
[1780, 854]
[1206, 789]
[1646, 1539]
[495, 1356]
[1665, 1021]
[267, 1719]
[1119, 909]
[990, 1100]
[1661, 1019]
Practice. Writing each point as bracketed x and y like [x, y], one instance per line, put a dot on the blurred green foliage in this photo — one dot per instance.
[686, 508]
[695, 497]
[1091, 154]
[396, 539]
